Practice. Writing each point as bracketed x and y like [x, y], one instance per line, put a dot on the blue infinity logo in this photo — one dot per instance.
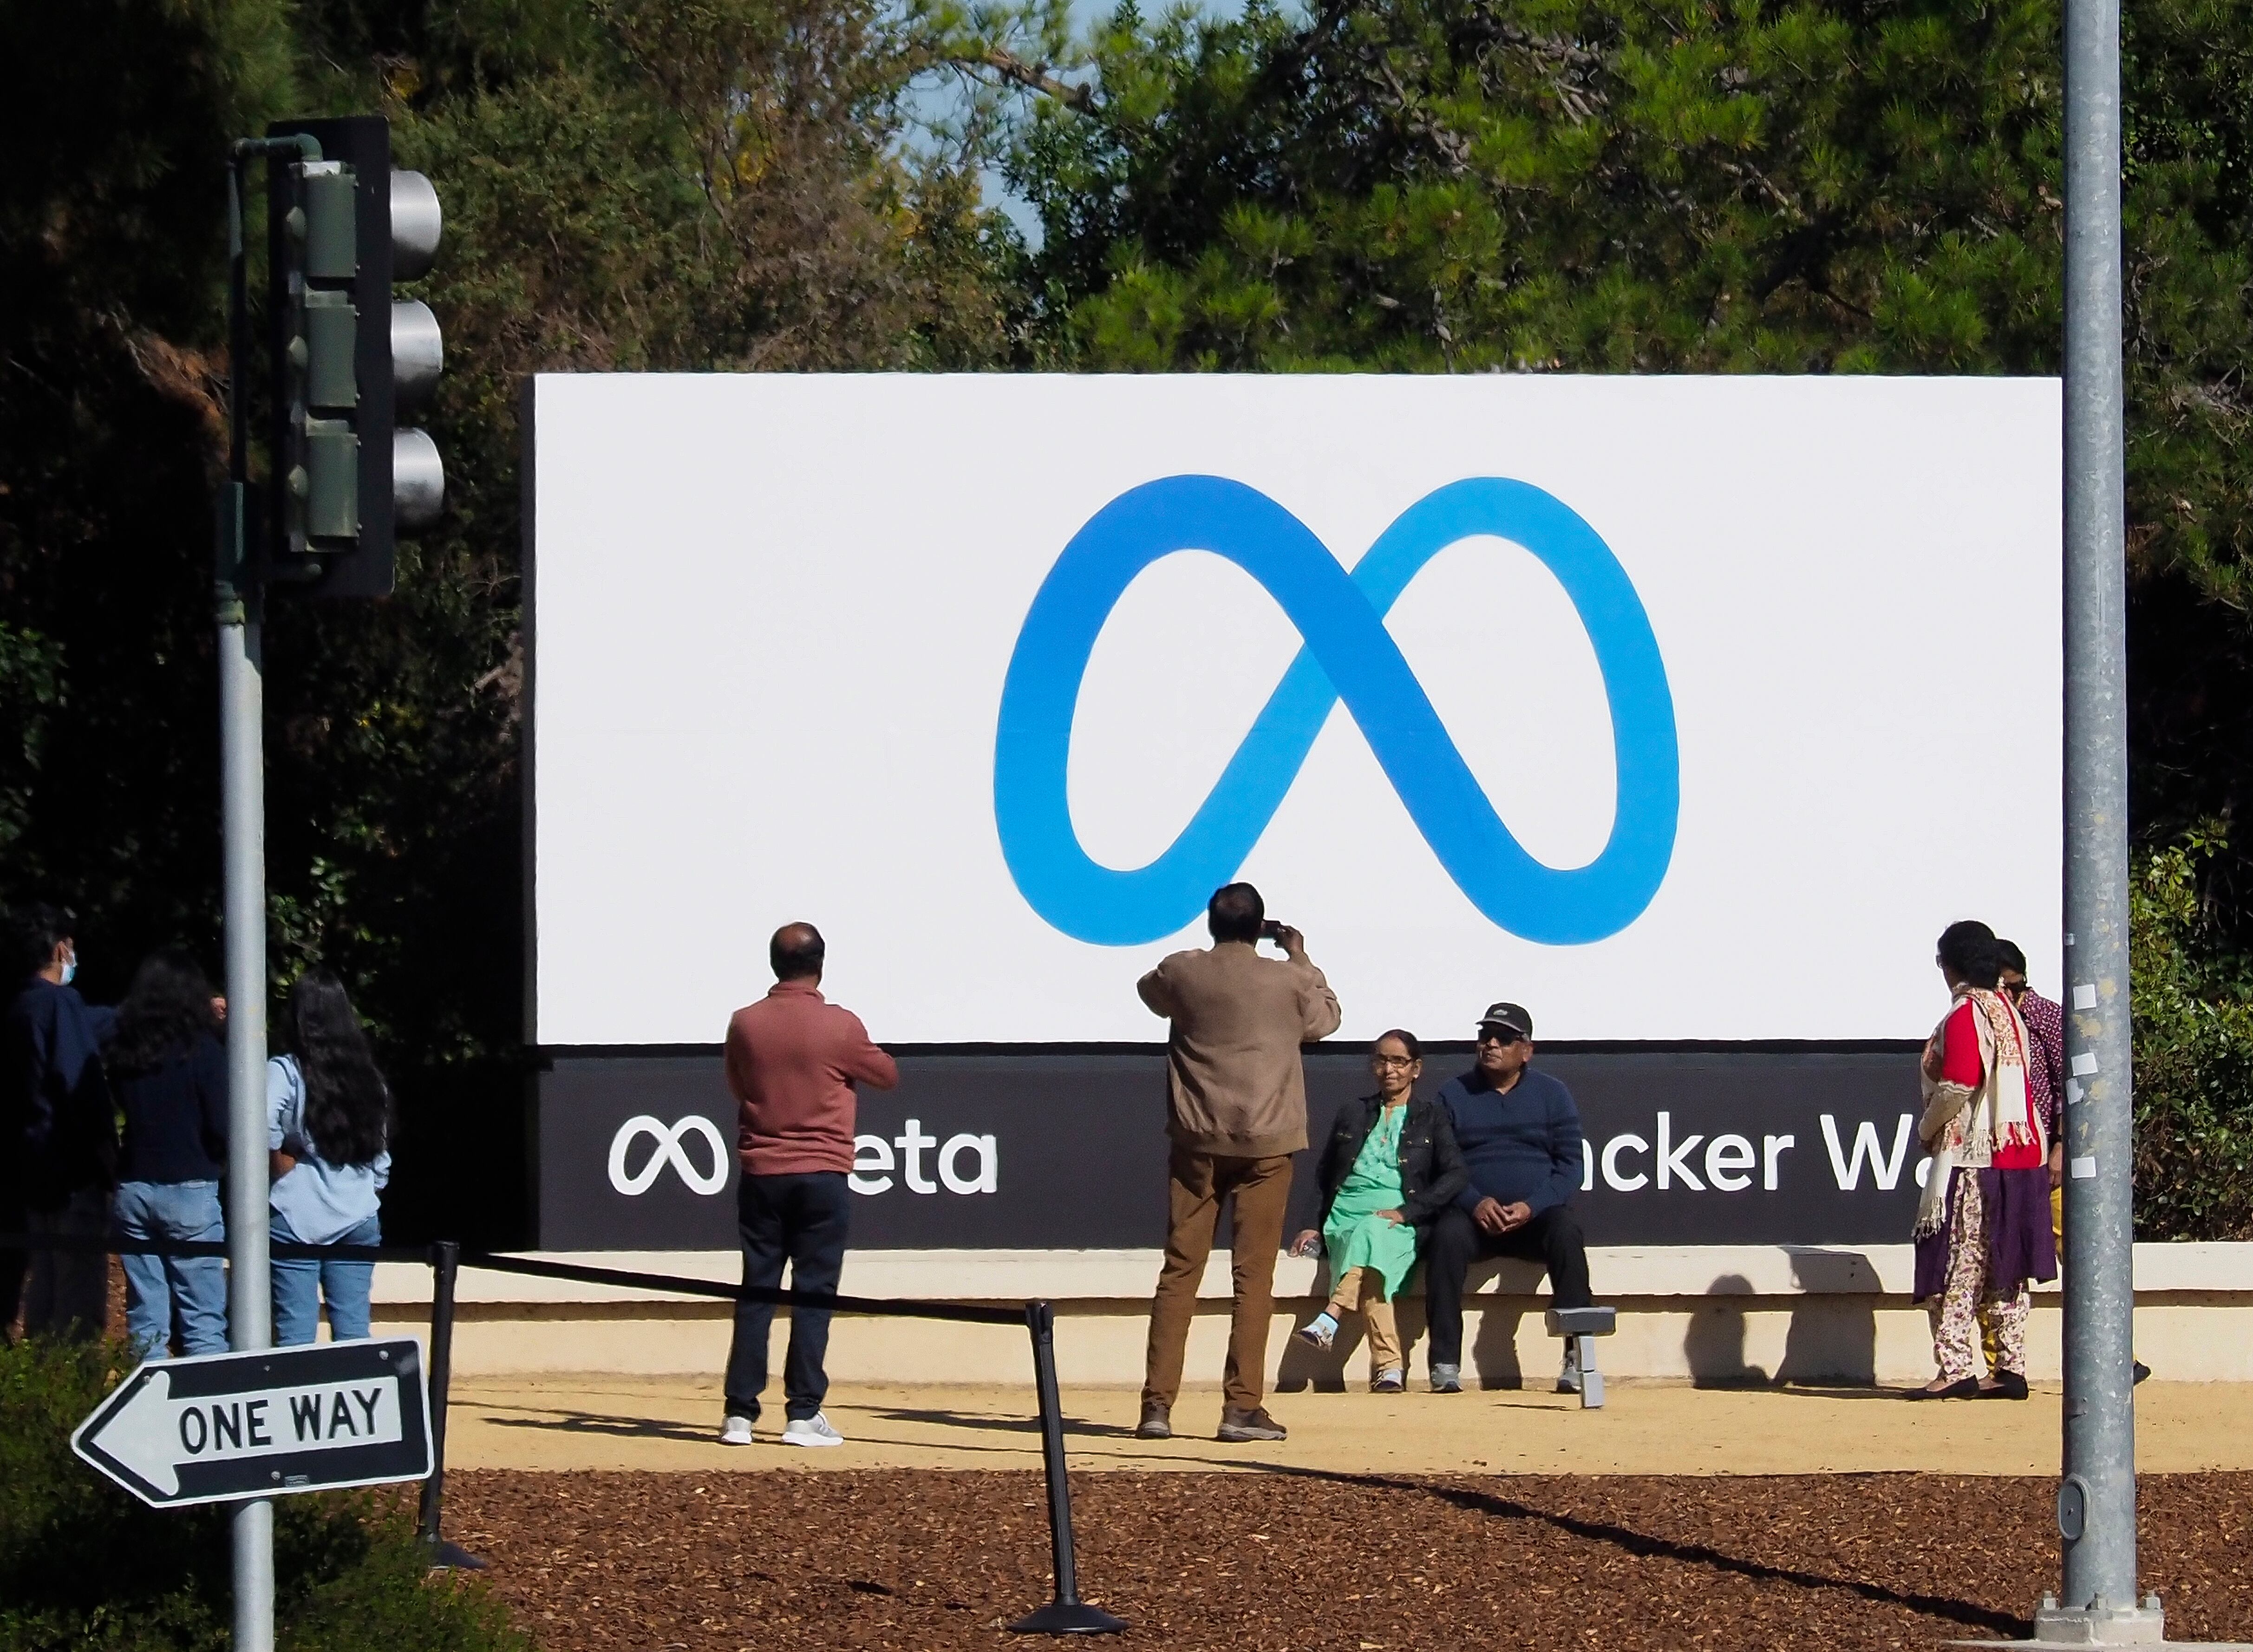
[1347, 655]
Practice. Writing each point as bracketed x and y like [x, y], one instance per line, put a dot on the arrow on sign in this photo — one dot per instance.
[221, 1427]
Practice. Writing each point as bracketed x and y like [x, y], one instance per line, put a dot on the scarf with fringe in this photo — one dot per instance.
[1994, 1126]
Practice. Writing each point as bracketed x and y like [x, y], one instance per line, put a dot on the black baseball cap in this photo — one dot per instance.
[1509, 1017]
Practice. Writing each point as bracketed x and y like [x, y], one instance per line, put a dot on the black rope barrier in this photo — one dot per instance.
[877, 1306]
[1066, 1613]
[288, 1250]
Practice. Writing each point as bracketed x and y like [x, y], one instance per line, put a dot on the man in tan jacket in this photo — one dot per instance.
[1236, 1096]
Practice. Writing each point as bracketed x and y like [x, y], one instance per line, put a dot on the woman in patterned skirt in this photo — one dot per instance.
[1983, 1225]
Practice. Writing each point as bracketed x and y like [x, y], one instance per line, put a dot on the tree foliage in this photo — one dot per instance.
[2192, 998]
[1727, 187]
[672, 186]
[1417, 186]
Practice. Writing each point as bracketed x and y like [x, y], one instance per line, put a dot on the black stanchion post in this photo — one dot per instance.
[445, 1261]
[1067, 1613]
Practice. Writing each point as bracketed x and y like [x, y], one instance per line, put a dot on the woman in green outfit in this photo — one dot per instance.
[1390, 1165]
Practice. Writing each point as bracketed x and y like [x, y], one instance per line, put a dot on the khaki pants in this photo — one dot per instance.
[1359, 1291]
[1199, 1182]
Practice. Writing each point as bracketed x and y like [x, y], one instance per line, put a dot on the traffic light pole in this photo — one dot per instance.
[2096, 1497]
[242, 784]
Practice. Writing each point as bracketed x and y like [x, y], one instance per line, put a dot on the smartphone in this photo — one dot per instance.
[1271, 931]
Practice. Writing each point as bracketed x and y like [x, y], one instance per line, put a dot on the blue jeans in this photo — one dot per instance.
[300, 1285]
[157, 1286]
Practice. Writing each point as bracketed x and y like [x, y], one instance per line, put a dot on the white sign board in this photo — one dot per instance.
[1672, 708]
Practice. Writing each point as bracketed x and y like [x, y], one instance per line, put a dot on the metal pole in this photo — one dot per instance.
[2096, 1498]
[242, 791]
[250, 1299]
[1066, 1613]
[445, 1264]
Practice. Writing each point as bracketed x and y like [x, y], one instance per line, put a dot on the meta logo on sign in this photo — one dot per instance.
[1347, 655]
[965, 1163]
[668, 1151]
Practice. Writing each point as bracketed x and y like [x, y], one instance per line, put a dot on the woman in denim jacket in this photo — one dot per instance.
[328, 1115]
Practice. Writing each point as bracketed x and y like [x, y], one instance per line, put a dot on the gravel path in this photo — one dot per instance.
[1297, 1560]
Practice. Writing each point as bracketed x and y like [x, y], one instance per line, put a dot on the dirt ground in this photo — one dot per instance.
[1305, 1559]
[625, 1423]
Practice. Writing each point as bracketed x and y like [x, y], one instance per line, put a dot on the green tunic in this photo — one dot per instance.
[1355, 1235]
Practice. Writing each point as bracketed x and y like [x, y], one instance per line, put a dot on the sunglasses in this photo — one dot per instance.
[1500, 1035]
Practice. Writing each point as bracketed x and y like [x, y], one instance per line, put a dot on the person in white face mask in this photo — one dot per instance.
[58, 1133]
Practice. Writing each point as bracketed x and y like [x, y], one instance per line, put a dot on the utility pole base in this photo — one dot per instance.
[2064, 1629]
[2100, 1625]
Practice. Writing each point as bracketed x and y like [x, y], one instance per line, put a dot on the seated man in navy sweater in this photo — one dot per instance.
[1520, 1134]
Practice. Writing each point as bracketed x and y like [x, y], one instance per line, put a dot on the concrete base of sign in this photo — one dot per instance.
[2057, 1629]
[2065, 1629]
[2102, 1646]
[1713, 1315]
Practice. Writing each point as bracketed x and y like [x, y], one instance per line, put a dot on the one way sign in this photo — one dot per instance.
[217, 1428]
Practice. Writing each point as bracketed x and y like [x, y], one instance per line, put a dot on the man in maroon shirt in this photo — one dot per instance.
[792, 1061]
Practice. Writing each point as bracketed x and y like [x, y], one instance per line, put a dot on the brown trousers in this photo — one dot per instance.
[1199, 1182]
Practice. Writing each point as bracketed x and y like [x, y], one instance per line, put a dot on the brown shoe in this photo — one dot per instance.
[1242, 1427]
[1157, 1422]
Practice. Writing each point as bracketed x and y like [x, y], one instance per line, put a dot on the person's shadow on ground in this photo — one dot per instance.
[1833, 1335]
[1714, 1345]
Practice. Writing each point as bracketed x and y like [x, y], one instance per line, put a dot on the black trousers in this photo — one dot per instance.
[1551, 1239]
[802, 1218]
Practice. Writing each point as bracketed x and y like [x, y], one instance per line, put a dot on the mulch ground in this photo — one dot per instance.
[1297, 1561]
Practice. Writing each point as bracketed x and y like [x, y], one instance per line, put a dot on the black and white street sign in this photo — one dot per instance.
[216, 1427]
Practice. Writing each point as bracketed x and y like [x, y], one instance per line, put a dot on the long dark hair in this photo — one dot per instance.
[347, 1104]
[1968, 949]
[169, 1008]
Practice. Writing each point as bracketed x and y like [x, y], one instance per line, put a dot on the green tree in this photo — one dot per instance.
[676, 185]
[1837, 187]
[2192, 998]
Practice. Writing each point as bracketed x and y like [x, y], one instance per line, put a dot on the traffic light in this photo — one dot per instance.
[349, 360]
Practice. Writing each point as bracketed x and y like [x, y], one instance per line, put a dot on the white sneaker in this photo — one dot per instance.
[1321, 1331]
[1568, 1378]
[736, 1431]
[811, 1431]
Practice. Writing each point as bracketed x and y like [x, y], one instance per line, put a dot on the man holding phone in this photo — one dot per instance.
[1236, 1094]
[1520, 1135]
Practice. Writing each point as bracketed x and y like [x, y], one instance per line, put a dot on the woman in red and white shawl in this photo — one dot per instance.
[1983, 1223]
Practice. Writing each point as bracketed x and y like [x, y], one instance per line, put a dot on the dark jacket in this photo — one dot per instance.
[58, 1133]
[1432, 1169]
[176, 1117]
